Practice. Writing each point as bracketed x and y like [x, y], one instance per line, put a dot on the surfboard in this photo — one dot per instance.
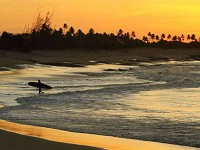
[41, 85]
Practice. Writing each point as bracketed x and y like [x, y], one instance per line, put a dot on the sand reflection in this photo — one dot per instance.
[105, 142]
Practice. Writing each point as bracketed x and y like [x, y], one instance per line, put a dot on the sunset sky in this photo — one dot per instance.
[141, 16]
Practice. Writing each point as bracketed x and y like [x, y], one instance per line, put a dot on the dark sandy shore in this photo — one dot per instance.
[13, 141]
[81, 57]
[14, 136]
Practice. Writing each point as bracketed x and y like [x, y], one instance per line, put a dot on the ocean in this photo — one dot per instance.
[152, 101]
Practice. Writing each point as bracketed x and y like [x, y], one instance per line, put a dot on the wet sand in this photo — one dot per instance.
[45, 137]
[10, 141]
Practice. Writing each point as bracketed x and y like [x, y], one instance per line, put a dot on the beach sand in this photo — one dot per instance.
[45, 136]
[13, 141]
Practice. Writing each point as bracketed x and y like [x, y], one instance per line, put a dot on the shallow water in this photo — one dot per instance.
[149, 101]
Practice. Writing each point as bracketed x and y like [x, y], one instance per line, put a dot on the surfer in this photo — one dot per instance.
[40, 89]
[39, 85]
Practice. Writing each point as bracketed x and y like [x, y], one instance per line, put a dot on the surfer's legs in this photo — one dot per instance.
[40, 90]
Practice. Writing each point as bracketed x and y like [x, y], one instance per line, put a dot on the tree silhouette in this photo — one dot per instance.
[193, 37]
[91, 31]
[80, 38]
[120, 33]
[188, 37]
[179, 38]
[182, 37]
[65, 28]
[153, 37]
[174, 38]
[133, 34]
[145, 39]
[71, 31]
[120, 37]
[42, 22]
[43, 36]
[169, 37]
[149, 35]
[157, 37]
[162, 36]
[6, 40]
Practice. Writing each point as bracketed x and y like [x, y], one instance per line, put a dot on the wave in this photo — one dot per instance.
[116, 103]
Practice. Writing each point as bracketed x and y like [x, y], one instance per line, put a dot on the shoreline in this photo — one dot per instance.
[102, 142]
[21, 142]
[81, 57]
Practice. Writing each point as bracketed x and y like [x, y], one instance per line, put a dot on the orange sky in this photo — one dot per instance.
[141, 16]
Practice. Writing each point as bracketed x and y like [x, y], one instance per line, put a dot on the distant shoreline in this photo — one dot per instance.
[81, 57]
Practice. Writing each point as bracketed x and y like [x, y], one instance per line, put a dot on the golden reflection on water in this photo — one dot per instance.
[38, 71]
[171, 104]
[106, 142]
[174, 104]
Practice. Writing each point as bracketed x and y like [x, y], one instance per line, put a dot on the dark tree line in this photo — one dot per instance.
[43, 36]
[47, 38]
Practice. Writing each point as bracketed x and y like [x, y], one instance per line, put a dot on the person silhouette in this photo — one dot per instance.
[40, 89]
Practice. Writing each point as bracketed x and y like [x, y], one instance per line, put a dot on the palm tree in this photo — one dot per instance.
[169, 37]
[162, 36]
[91, 31]
[145, 39]
[79, 33]
[127, 34]
[149, 35]
[80, 38]
[133, 34]
[179, 38]
[71, 31]
[193, 37]
[153, 37]
[174, 38]
[120, 36]
[120, 33]
[188, 37]
[65, 27]
[157, 37]
[182, 38]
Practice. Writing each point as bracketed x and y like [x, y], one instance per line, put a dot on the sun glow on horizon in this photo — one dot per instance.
[157, 16]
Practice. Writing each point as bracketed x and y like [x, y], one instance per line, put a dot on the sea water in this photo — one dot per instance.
[156, 101]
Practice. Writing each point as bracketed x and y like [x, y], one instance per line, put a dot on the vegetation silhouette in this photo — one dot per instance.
[43, 36]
